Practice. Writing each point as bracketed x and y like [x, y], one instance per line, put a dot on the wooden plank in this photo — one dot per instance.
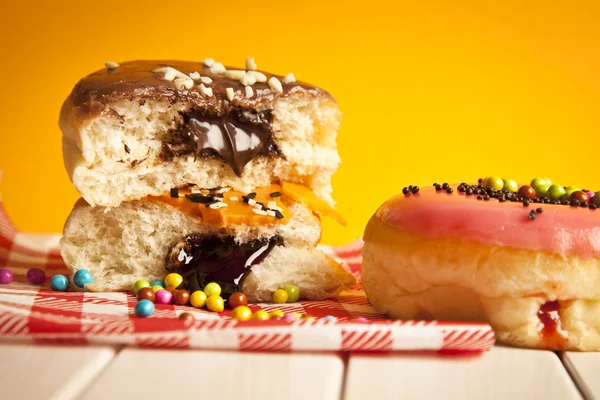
[584, 368]
[29, 371]
[502, 373]
[146, 373]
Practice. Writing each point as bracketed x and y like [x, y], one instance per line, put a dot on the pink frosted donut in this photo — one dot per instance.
[450, 256]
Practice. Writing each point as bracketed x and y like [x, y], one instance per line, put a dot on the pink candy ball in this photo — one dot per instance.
[289, 317]
[163, 297]
[361, 319]
[6, 276]
[36, 276]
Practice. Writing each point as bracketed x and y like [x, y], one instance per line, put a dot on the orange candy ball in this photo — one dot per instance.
[182, 297]
[146, 294]
[237, 299]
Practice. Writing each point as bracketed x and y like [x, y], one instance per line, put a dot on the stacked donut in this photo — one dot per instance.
[525, 258]
[219, 174]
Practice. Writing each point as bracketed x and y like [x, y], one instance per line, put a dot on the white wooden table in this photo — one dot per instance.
[71, 372]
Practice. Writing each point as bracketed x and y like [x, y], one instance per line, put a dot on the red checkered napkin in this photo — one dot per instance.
[36, 314]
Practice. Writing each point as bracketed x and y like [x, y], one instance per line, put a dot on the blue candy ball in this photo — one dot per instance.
[144, 308]
[157, 283]
[330, 318]
[59, 283]
[82, 278]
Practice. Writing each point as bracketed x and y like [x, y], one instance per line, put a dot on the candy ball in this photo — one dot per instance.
[198, 299]
[144, 308]
[261, 315]
[293, 293]
[580, 196]
[555, 191]
[494, 182]
[596, 198]
[158, 283]
[215, 303]
[187, 317]
[277, 314]
[280, 296]
[156, 288]
[212, 288]
[540, 181]
[511, 185]
[146, 294]
[171, 290]
[297, 315]
[526, 192]
[361, 319]
[542, 190]
[140, 283]
[59, 283]
[173, 280]
[330, 318]
[37, 276]
[82, 277]
[569, 191]
[289, 318]
[163, 297]
[242, 313]
[307, 316]
[182, 297]
[237, 299]
[6, 276]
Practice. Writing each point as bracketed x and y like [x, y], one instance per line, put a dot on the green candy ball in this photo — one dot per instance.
[293, 293]
[542, 190]
[555, 191]
[597, 198]
[511, 185]
[541, 181]
[139, 284]
[494, 182]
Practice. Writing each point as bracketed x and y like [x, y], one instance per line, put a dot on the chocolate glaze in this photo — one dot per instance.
[237, 137]
[204, 259]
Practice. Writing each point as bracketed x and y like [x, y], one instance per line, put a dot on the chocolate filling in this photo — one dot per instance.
[237, 137]
[204, 259]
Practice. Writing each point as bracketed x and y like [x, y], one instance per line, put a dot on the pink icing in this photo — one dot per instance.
[558, 229]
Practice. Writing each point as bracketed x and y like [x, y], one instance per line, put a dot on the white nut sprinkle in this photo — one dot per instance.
[217, 69]
[249, 91]
[236, 74]
[183, 83]
[216, 206]
[223, 190]
[271, 204]
[248, 79]
[111, 65]
[234, 198]
[289, 78]
[195, 75]
[271, 213]
[259, 211]
[250, 64]
[229, 93]
[206, 80]
[251, 202]
[170, 73]
[259, 76]
[260, 206]
[275, 85]
[209, 62]
[205, 91]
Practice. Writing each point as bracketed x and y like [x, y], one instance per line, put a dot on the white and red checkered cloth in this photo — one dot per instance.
[37, 314]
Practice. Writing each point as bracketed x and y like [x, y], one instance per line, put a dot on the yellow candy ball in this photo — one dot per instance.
[242, 313]
[306, 316]
[297, 315]
[212, 288]
[261, 315]
[173, 280]
[156, 288]
[277, 313]
[198, 299]
[280, 296]
[215, 303]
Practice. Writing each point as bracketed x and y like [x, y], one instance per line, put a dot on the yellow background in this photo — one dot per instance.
[444, 91]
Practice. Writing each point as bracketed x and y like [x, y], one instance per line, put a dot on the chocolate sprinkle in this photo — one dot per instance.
[405, 191]
[275, 194]
[414, 189]
[449, 190]
[532, 215]
[539, 210]
[278, 214]
[127, 150]
[175, 193]
[199, 198]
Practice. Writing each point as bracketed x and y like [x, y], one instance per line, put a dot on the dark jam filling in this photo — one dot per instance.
[237, 137]
[201, 260]
[551, 331]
